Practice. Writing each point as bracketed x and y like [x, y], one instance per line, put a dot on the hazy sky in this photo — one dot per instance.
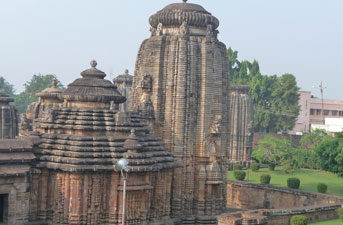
[61, 37]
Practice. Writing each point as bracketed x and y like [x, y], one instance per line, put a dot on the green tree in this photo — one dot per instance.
[275, 98]
[36, 84]
[330, 152]
[274, 150]
[7, 87]
[284, 103]
[311, 140]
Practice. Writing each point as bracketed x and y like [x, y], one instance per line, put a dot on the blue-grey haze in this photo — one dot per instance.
[302, 37]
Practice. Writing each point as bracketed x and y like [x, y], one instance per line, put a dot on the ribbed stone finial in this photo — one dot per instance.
[126, 71]
[185, 1]
[93, 63]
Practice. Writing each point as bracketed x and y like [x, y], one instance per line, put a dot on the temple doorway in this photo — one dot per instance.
[3, 208]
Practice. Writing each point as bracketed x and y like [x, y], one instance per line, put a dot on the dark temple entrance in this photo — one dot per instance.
[3, 208]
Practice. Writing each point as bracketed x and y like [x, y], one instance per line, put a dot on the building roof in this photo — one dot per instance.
[92, 87]
[16, 156]
[5, 97]
[126, 77]
[51, 92]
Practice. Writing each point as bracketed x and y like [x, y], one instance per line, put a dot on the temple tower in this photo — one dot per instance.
[241, 125]
[180, 86]
[8, 117]
[124, 84]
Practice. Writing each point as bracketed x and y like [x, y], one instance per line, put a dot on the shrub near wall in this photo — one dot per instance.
[299, 220]
[239, 175]
[265, 179]
[322, 188]
[293, 183]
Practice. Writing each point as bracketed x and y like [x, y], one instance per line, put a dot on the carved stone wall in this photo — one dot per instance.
[241, 124]
[96, 198]
[181, 83]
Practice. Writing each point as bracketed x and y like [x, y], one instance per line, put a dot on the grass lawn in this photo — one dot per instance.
[331, 222]
[308, 179]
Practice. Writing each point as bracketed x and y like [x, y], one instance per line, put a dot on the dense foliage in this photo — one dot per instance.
[272, 150]
[7, 87]
[299, 220]
[340, 214]
[293, 182]
[239, 174]
[36, 84]
[275, 98]
[265, 179]
[255, 167]
[237, 167]
[271, 166]
[322, 188]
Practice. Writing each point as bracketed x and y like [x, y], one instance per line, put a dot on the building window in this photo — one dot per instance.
[334, 112]
[340, 113]
[312, 111]
[318, 111]
[326, 112]
[3, 208]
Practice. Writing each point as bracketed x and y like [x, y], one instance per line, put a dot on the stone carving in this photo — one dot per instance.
[145, 106]
[159, 29]
[217, 127]
[184, 29]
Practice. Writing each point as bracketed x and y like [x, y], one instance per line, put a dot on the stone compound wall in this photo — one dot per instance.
[275, 205]
[258, 196]
[279, 217]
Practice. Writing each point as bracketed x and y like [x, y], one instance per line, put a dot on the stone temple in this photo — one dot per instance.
[181, 86]
[174, 121]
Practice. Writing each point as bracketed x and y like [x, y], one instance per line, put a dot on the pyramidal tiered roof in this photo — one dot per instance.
[93, 139]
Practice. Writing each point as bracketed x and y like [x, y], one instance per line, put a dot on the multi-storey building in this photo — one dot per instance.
[314, 111]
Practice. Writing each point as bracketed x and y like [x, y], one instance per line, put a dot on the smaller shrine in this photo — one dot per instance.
[81, 138]
[241, 125]
[15, 166]
[124, 85]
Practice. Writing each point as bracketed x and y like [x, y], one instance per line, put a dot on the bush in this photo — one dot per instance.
[340, 214]
[299, 220]
[255, 167]
[293, 183]
[239, 175]
[322, 188]
[271, 166]
[265, 179]
[237, 167]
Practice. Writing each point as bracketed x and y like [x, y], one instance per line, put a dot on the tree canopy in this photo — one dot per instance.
[7, 87]
[275, 98]
[37, 83]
